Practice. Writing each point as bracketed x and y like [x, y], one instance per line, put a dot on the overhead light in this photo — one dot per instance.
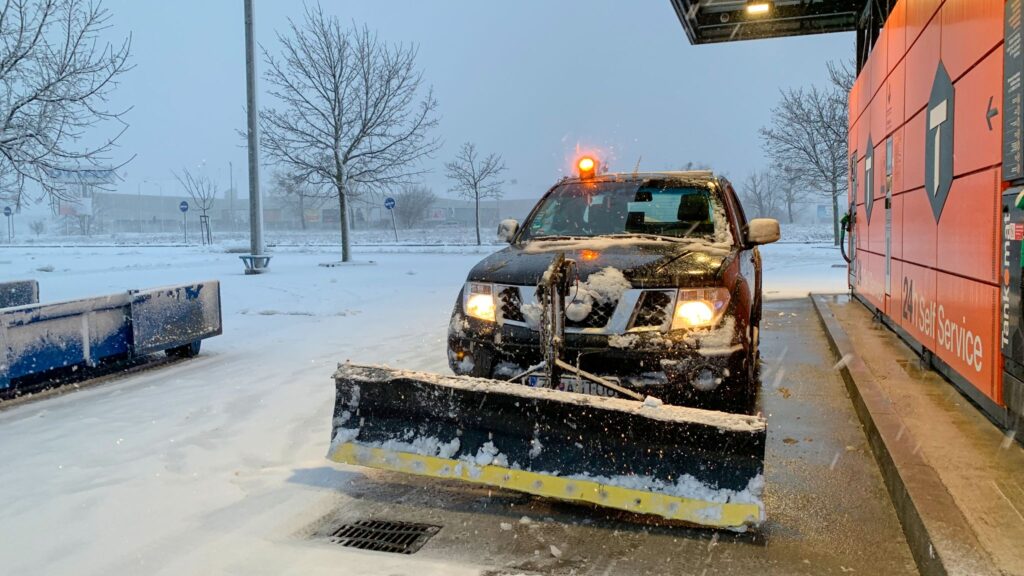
[758, 8]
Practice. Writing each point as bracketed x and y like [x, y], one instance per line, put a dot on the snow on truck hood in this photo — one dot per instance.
[646, 262]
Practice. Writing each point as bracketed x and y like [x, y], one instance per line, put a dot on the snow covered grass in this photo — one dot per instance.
[237, 241]
[192, 468]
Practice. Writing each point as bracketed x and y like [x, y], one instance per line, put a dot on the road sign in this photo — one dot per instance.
[183, 206]
[389, 203]
[8, 211]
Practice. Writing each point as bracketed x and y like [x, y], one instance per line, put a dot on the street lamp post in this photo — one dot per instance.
[258, 259]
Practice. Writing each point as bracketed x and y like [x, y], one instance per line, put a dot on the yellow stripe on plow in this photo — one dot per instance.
[716, 514]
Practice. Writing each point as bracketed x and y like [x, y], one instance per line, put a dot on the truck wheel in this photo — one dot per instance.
[190, 350]
[739, 391]
[483, 363]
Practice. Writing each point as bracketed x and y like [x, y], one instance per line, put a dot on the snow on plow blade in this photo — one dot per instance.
[687, 464]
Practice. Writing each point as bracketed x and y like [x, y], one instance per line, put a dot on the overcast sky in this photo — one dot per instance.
[529, 79]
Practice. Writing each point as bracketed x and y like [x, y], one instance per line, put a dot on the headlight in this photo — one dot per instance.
[700, 308]
[478, 301]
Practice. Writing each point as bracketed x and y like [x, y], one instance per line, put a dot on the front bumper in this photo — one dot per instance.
[702, 358]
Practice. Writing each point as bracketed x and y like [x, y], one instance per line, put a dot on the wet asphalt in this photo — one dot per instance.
[827, 507]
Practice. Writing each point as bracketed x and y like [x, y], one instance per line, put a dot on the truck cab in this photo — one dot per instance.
[666, 299]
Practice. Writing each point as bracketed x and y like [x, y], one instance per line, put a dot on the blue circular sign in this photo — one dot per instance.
[389, 203]
[8, 211]
[183, 206]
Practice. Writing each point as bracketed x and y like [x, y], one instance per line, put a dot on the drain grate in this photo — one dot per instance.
[384, 536]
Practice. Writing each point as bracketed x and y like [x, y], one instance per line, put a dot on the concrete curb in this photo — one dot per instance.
[937, 532]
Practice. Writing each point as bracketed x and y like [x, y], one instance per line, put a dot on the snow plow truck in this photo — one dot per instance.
[608, 355]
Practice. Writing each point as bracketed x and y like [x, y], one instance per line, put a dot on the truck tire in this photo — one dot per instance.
[739, 391]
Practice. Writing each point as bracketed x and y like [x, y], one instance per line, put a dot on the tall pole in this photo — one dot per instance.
[255, 202]
[231, 195]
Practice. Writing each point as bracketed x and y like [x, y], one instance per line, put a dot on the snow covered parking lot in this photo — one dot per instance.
[217, 464]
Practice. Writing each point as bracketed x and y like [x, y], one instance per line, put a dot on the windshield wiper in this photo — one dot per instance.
[643, 235]
[557, 237]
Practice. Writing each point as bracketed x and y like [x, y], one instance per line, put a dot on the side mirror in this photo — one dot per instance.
[507, 230]
[762, 231]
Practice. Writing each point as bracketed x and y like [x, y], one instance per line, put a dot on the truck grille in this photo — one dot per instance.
[642, 309]
[598, 317]
[652, 310]
[511, 304]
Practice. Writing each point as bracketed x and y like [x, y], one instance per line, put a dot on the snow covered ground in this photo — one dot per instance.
[217, 464]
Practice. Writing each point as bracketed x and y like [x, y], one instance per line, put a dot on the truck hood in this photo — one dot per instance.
[644, 261]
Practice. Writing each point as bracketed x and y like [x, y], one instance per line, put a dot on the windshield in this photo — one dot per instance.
[587, 209]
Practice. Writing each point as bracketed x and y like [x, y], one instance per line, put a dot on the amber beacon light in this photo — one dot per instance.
[587, 167]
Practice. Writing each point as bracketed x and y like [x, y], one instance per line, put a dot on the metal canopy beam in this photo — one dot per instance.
[710, 21]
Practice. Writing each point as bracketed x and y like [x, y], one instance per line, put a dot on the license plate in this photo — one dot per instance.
[573, 384]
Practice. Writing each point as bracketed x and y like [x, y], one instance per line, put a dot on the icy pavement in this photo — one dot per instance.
[217, 465]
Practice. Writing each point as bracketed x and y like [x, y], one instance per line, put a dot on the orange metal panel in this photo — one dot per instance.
[853, 110]
[970, 29]
[919, 12]
[914, 293]
[919, 228]
[965, 330]
[852, 149]
[863, 133]
[913, 152]
[968, 233]
[894, 93]
[893, 300]
[978, 138]
[898, 162]
[860, 103]
[896, 35]
[878, 113]
[922, 62]
[867, 86]
[871, 278]
[897, 228]
[879, 65]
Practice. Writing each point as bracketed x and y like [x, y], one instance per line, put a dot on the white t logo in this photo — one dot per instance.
[868, 164]
[937, 116]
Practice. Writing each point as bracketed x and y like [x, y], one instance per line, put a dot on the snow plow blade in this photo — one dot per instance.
[697, 466]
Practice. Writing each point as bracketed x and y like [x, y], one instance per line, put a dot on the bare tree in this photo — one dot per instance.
[475, 178]
[352, 110]
[297, 193]
[808, 134]
[842, 74]
[761, 194]
[203, 192]
[412, 204]
[791, 189]
[37, 227]
[56, 74]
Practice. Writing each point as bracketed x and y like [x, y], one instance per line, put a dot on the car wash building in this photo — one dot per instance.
[936, 171]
